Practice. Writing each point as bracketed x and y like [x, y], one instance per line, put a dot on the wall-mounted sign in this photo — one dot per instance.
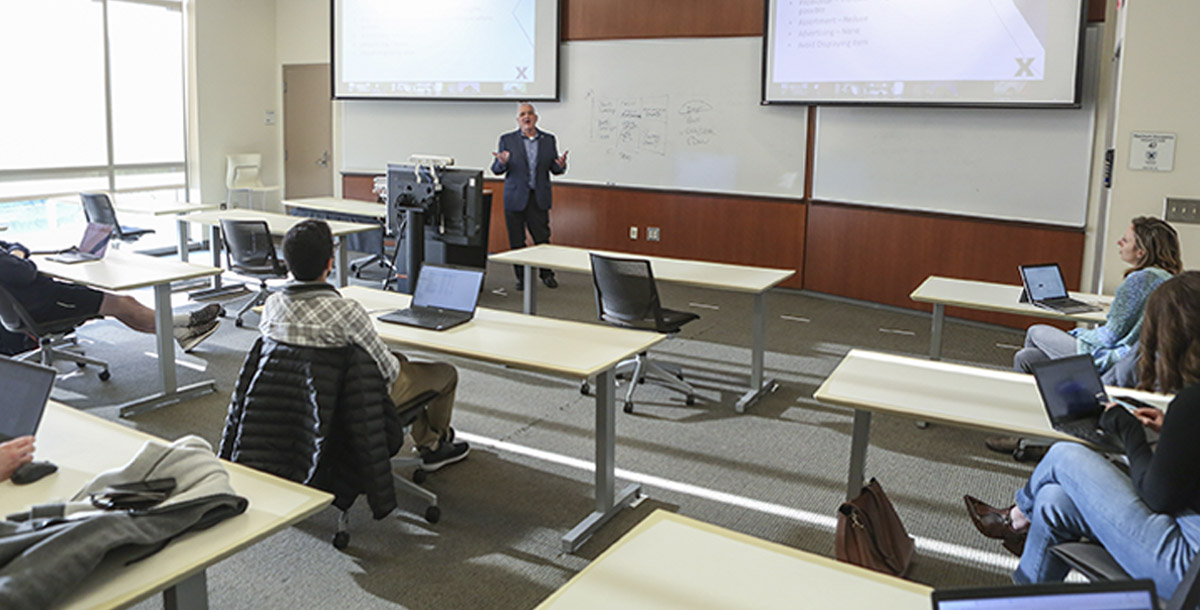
[1151, 151]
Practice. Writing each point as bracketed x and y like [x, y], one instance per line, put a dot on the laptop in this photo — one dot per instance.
[91, 247]
[26, 388]
[1044, 287]
[1074, 399]
[445, 296]
[1107, 595]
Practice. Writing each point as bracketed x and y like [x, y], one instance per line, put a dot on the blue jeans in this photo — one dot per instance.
[1075, 493]
[1043, 342]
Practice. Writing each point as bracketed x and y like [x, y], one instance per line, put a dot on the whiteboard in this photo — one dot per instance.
[1020, 164]
[680, 114]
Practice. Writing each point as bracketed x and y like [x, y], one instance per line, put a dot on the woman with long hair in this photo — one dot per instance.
[1148, 520]
[1151, 247]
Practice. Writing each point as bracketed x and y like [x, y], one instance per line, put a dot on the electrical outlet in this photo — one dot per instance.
[1179, 209]
[653, 234]
[632, 232]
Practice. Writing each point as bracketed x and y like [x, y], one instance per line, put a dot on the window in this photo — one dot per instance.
[78, 116]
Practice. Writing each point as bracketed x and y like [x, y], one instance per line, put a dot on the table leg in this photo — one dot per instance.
[530, 290]
[164, 339]
[181, 226]
[188, 594]
[935, 331]
[758, 331]
[858, 452]
[608, 501]
[214, 244]
[342, 262]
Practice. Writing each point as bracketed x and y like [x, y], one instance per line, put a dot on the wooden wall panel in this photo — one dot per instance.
[614, 19]
[882, 255]
[723, 228]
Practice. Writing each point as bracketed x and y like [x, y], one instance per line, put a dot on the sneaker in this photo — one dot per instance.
[189, 337]
[444, 455]
[550, 282]
[205, 314]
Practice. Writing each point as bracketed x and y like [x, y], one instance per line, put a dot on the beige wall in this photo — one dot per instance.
[1158, 89]
[235, 81]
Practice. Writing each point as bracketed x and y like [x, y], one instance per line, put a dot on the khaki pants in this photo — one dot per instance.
[417, 377]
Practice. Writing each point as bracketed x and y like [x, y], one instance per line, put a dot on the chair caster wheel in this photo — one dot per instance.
[80, 364]
[628, 408]
[679, 376]
[433, 514]
[585, 389]
[419, 476]
[341, 540]
[691, 400]
[239, 323]
[104, 375]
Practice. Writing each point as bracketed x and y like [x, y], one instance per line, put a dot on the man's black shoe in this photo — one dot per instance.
[550, 282]
[444, 455]
[520, 285]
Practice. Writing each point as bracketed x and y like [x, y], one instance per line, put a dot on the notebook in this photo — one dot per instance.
[1108, 595]
[1074, 398]
[91, 247]
[26, 388]
[445, 296]
[1044, 287]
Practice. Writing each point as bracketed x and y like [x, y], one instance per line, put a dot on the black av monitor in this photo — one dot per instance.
[452, 201]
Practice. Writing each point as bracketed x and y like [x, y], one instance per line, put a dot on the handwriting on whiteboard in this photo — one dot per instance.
[632, 128]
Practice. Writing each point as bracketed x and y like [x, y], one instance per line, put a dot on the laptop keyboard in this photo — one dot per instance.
[426, 318]
[1087, 430]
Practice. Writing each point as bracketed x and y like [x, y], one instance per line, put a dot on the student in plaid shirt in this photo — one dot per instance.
[312, 313]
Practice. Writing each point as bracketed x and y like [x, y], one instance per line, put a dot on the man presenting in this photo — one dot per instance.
[527, 157]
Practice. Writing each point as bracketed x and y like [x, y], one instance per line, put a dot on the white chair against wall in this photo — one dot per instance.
[243, 174]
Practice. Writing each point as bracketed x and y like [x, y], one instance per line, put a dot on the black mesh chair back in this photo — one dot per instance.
[98, 208]
[626, 295]
[250, 249]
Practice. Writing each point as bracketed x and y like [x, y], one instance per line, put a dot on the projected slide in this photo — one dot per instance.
[446, 48]
[923, 51]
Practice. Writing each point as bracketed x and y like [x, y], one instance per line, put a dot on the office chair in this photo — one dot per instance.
[250, 250]
[50, 335]
[322, 417]
[243, 175]
[98, 208]
[409, 412]
[1096, 564]
[627, 296]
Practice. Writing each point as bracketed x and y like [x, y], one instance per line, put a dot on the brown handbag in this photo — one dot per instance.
[870, 534]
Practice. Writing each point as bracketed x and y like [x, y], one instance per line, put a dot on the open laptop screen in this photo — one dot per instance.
[1043, 282]
[1070, 387]
[95, 239]
[26, 388]
[452, 288]
[1122, 595]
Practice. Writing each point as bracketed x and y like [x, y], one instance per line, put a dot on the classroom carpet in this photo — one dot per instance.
[777, 471]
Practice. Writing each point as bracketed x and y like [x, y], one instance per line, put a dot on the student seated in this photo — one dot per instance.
[1151, 247]
[14, 454]
[47, 299]
[322, 318]
[1147, 519]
